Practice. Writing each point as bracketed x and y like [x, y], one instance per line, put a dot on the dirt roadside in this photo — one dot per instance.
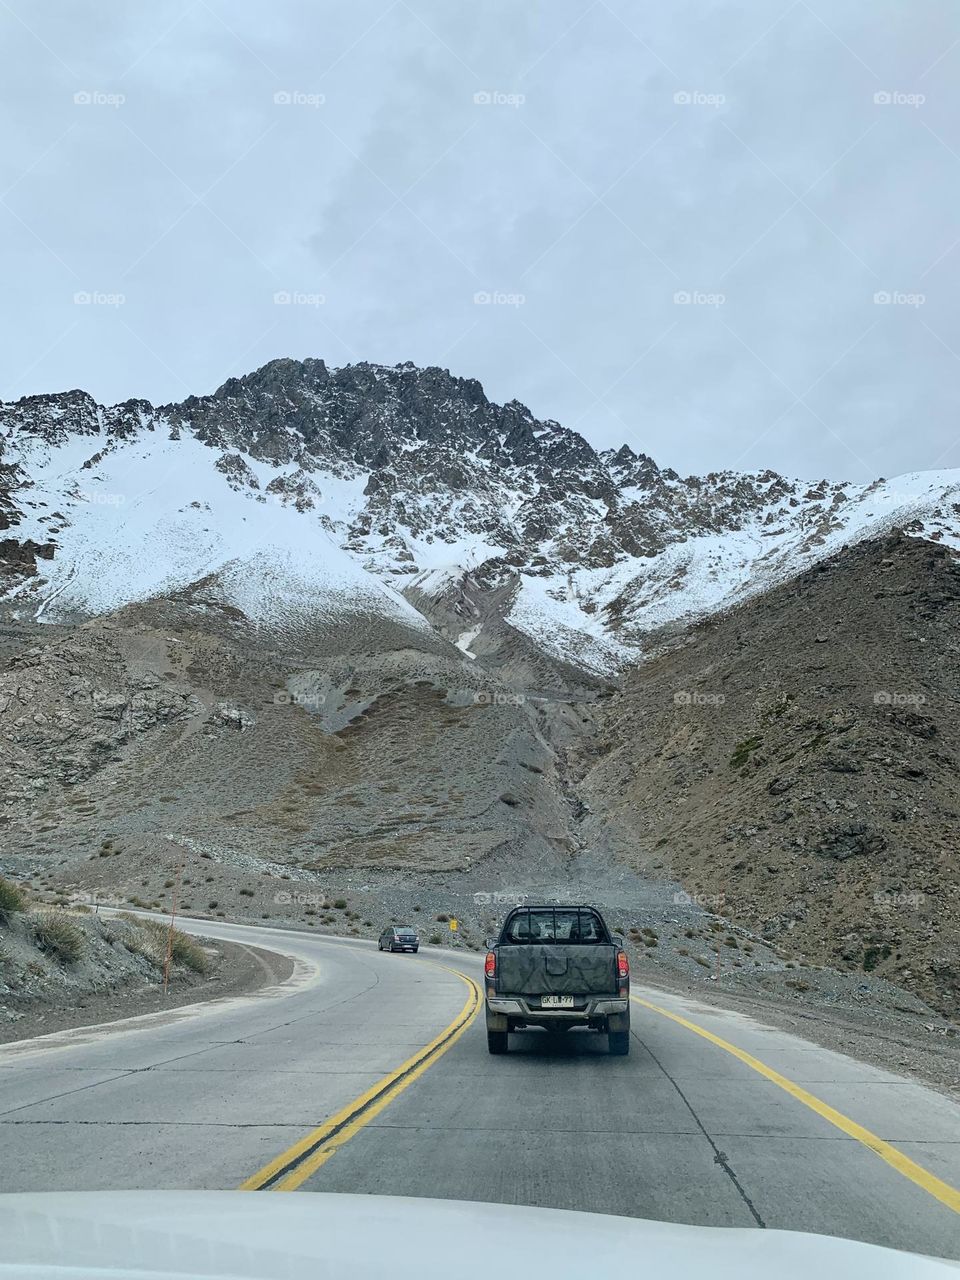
[899, 1043]
[234, 970]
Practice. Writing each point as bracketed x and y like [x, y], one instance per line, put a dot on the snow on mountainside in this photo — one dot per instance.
[298, 493]
[155, 514]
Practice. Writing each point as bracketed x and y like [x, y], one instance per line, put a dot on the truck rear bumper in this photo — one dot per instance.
[530, 1011]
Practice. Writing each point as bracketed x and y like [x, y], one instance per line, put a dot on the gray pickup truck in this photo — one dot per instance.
[557, 967]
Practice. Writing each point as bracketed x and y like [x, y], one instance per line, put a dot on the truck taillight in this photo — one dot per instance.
[490, 965]
[623, 966]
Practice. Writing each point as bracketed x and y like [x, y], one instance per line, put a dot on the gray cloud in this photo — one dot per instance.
[614, 159]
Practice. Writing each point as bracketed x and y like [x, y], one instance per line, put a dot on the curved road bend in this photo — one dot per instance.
[370, 1073]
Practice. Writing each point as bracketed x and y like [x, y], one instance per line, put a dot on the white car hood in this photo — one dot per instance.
[231, 1234]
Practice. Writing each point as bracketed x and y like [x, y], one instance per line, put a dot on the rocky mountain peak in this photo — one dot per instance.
[407, 474]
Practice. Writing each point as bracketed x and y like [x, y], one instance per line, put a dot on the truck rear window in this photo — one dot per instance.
[555, 924]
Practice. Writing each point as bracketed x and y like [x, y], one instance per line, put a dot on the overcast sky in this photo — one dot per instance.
[522, 191]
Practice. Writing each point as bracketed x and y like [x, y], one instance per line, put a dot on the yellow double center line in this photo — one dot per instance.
[295, 1165]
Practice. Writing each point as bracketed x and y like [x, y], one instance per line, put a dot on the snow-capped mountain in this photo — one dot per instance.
[299, 491]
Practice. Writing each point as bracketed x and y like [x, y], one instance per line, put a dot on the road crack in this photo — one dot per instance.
[719, 1157]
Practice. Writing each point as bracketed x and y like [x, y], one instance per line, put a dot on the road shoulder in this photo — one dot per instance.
[235, 970]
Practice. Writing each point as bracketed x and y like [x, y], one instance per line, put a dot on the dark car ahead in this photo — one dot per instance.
[399, 937]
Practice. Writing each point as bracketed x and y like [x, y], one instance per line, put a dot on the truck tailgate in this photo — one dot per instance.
[544, 969]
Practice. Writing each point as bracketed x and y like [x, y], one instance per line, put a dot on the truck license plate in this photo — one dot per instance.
[556, 1002]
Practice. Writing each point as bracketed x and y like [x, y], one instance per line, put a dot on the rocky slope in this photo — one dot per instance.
[133, 737]
[797, 763]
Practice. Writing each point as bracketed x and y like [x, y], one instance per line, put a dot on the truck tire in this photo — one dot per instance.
[618, 1043]
[497, 1041]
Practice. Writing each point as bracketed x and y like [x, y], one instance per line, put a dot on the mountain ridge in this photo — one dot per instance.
[408, 480]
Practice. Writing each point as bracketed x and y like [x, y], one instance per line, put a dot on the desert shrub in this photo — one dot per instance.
[872, 956]
[743, 750]
[12, 899]
[149, 938]
[188, 952]
[58, 935]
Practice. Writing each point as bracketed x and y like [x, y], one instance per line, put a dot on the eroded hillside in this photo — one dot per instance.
[799, 760]
[155, 730]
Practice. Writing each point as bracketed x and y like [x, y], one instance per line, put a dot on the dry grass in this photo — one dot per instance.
[59, 935]
[12, 899]
[149, 938]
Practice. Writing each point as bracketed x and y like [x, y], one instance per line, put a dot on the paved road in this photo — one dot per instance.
[365, 1073]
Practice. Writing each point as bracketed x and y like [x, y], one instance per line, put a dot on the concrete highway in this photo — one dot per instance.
[369, 1073]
